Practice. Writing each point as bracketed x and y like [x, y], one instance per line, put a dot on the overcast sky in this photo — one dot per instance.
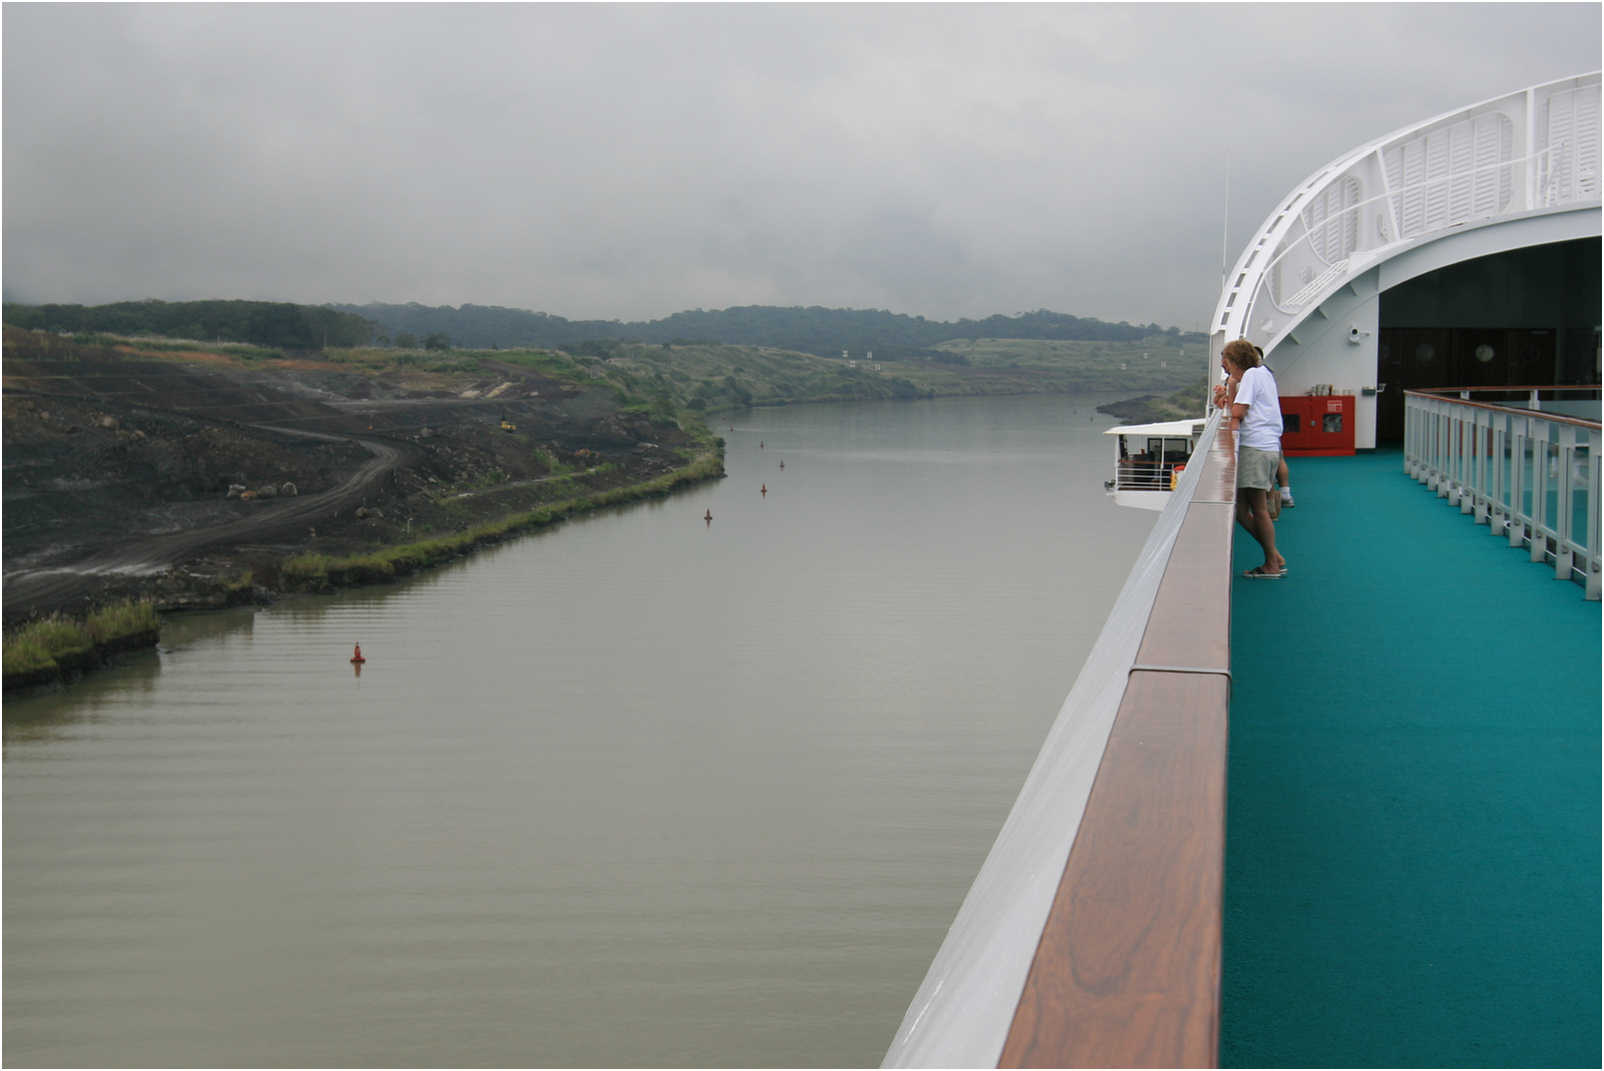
[601, 161]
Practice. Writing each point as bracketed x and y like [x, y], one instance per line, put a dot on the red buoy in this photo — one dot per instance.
[356, 656]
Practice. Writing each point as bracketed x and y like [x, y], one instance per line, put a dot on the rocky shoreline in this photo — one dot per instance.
[1184, 404]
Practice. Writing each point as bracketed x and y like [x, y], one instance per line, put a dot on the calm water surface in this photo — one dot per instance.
[638, 791]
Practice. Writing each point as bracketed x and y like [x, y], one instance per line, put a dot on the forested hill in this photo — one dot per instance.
[265, 323]
[819, 331]
[816, 330]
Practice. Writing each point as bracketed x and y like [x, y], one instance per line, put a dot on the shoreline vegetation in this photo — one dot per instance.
[61, 647]
[58, 648]
[324, 573]
[608, 384]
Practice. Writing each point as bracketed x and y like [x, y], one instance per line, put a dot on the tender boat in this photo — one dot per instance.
[1149, 459]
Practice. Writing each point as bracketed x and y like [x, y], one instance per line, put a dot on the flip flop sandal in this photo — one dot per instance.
[1259, 572]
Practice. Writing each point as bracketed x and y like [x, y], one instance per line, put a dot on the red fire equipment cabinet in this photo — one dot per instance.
[1317, 425]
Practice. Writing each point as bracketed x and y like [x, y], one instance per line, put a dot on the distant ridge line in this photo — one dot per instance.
[812, 329]
[816, 330]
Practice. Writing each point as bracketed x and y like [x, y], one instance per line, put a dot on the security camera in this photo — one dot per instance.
[1353, 334]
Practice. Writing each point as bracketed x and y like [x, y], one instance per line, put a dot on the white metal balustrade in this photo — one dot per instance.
[1530, 476]
[1144, 476]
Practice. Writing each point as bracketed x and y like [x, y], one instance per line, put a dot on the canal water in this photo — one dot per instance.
[640, 791]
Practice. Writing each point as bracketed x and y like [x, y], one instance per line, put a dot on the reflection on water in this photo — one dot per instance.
[132, 673]
[644, 790]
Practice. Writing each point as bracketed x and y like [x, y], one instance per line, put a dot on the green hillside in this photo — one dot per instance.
[777, 356]
[711, 377]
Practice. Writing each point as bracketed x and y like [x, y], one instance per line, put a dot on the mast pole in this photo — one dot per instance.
[1225, 274]
[1225, 227]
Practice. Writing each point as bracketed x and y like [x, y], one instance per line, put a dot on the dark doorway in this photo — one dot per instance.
[1412, 358]
[1523, 318]
[1407, 358]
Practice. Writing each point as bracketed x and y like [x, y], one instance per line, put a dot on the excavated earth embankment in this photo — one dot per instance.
[129, 473]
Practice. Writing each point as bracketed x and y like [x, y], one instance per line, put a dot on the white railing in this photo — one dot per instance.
[1148, 476]
[1536, 150]
[1530, 476]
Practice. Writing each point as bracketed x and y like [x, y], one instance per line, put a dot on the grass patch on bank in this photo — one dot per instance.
[51, 643]
[36, 646]
[122, 619]
[319, 572]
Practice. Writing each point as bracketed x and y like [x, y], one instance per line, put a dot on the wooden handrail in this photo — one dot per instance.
[1528, 389]
[1127, 972]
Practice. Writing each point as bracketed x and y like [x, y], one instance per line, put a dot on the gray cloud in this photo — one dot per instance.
[630, 161]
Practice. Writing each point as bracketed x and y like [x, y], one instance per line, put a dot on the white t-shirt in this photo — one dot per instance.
[1261, 426]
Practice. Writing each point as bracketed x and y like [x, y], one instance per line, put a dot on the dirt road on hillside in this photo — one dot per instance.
[45, 589]
[118, 461]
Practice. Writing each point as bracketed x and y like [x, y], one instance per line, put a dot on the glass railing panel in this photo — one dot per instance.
[1545, 454]
[1527, 472]
[1506, 472]
[1582, 462]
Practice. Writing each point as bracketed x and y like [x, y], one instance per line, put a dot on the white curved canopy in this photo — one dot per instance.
[1530, 153]
[1168, 427]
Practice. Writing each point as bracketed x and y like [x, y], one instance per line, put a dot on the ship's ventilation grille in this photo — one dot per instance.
[1570, 170]
[1332, 220]
[1453, 173]
[1503, 158]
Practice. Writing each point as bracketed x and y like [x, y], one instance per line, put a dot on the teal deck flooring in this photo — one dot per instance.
[1413, 830]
